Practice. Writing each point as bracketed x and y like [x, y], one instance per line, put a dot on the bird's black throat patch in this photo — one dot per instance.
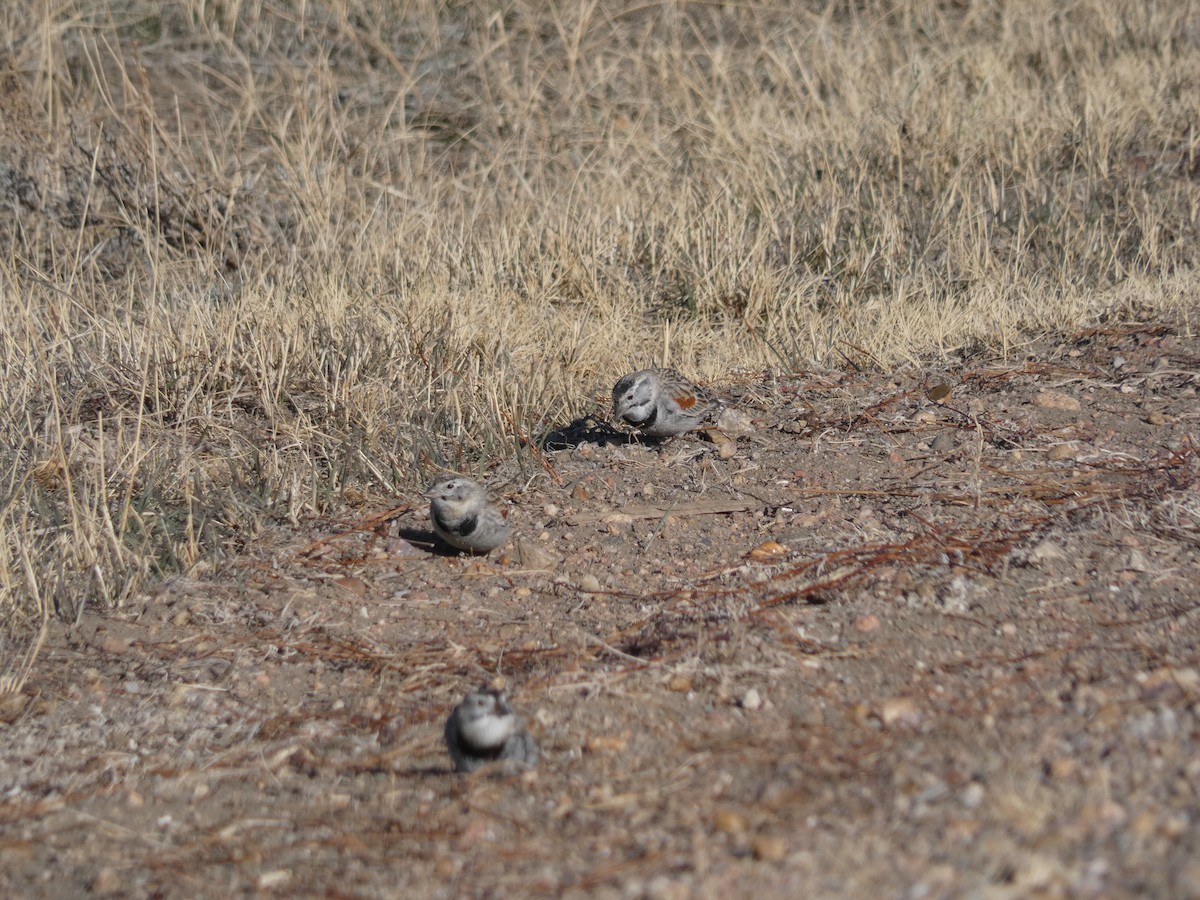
[463, 529]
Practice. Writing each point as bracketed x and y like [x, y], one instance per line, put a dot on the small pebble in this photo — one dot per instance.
[355, 586]
[867, 623]
[729, 822]
[678, 683]
[899, 711]
[606, 743]
[768, 848]
[107, 881]
[751, 700]
[1056, 400]
[943, 443]
[1063, 767]
[972, 795]
[1046, 550]
[275, 879]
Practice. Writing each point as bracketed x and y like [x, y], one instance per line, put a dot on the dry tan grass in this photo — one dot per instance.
[262, 259]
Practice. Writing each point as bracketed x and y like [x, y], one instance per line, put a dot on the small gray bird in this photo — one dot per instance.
[661, 403]
[484, 729]
[463, 516]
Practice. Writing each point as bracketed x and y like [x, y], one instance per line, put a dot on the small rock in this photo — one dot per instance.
[1170, 684]
[768, 848]
[588, 583]
[107, 881]
[729, 822]
[1061, 452]
[607, 743]
[953, 595]
[943, 443]
[899, 712]
[925, 590]
[1039, 873]
[1063, 767]
[401, 547]
[1045, 551]
[533, 556]
[751, 700]
[11, 706]
[679, 683]
[114, 645]
[727, 450]
[972, 795]
[617, 523]
[768, 550]
[274, 879]
[734, 421]
[1136, 560]
[867, 623]
[1156, 418]
[939, 393]
[355, 586]
[1056, 400]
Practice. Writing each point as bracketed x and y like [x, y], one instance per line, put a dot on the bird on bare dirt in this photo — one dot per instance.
[661, 403]
[484, 729]
[463, 516]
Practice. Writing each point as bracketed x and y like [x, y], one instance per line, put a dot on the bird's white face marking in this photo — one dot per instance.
[635, 397]
[484, 720]
[455, 496]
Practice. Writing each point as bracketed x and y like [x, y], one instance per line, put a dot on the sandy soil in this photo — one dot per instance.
[897, 643]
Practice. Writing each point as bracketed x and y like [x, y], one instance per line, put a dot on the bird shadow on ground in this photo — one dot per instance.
[424, 539]
[589, 430]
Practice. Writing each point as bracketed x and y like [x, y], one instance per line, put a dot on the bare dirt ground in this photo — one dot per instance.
[899, 643]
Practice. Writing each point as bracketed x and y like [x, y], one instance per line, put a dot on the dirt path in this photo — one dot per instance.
[890, 646]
